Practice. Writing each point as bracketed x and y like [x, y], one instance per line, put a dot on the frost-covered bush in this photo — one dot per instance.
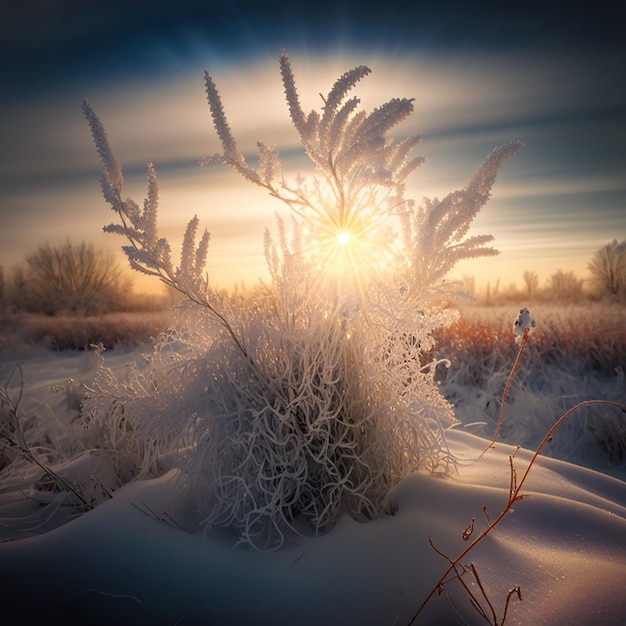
[307, 396]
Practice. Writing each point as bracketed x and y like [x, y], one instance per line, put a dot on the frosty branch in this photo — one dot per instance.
[147, 253]
[12, 437]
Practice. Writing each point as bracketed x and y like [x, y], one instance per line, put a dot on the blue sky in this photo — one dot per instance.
[481, 74]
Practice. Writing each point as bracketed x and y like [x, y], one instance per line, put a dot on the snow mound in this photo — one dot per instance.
[131, 561]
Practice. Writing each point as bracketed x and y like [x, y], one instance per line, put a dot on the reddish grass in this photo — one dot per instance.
[78, 333]
[593, 335]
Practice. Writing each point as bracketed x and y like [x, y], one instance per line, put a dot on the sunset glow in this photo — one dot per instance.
[552, 207]
[343, 238]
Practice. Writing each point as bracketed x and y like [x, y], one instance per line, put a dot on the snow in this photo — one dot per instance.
[135, 560]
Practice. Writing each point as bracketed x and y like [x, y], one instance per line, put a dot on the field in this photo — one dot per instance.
[23, 333]
[138, 557]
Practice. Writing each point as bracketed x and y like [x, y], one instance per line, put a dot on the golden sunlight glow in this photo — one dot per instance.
[343, 237]
[349, 256]
[350, 250]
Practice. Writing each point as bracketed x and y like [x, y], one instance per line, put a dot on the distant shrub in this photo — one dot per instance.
[69, 279]
[565, 287]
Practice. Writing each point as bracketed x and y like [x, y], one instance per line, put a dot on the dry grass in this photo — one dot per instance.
[457, 570]
[593, 335]
[21, 332]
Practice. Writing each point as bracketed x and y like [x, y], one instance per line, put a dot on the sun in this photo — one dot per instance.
[343, 238]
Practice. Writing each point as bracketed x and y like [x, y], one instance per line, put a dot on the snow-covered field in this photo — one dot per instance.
[136, 558]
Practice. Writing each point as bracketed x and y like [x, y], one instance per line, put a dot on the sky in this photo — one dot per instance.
[484, 73]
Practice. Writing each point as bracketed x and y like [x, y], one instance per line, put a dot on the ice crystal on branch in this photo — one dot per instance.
[148, 253]
[435, 233]
[524, 324]
[111, 179]
[313, 394]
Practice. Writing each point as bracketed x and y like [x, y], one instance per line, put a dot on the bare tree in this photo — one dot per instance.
[608, 268]
[531, 282]
[564, 286]
[70, 279]
[468, 283]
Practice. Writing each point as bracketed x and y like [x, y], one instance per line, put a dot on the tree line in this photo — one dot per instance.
[78, 279]
[607, 280]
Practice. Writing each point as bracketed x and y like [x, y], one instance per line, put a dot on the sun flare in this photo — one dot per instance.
[349, 257]
[343, 237]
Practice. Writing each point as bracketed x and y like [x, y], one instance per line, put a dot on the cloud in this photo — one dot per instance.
[464, 106]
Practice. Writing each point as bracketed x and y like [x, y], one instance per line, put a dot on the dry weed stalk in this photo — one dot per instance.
[524, 324]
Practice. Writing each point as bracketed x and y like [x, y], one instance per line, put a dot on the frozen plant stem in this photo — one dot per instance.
[506, 390]
[522, 327]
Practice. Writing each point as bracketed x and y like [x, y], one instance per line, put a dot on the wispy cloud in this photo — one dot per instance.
[464, 106]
